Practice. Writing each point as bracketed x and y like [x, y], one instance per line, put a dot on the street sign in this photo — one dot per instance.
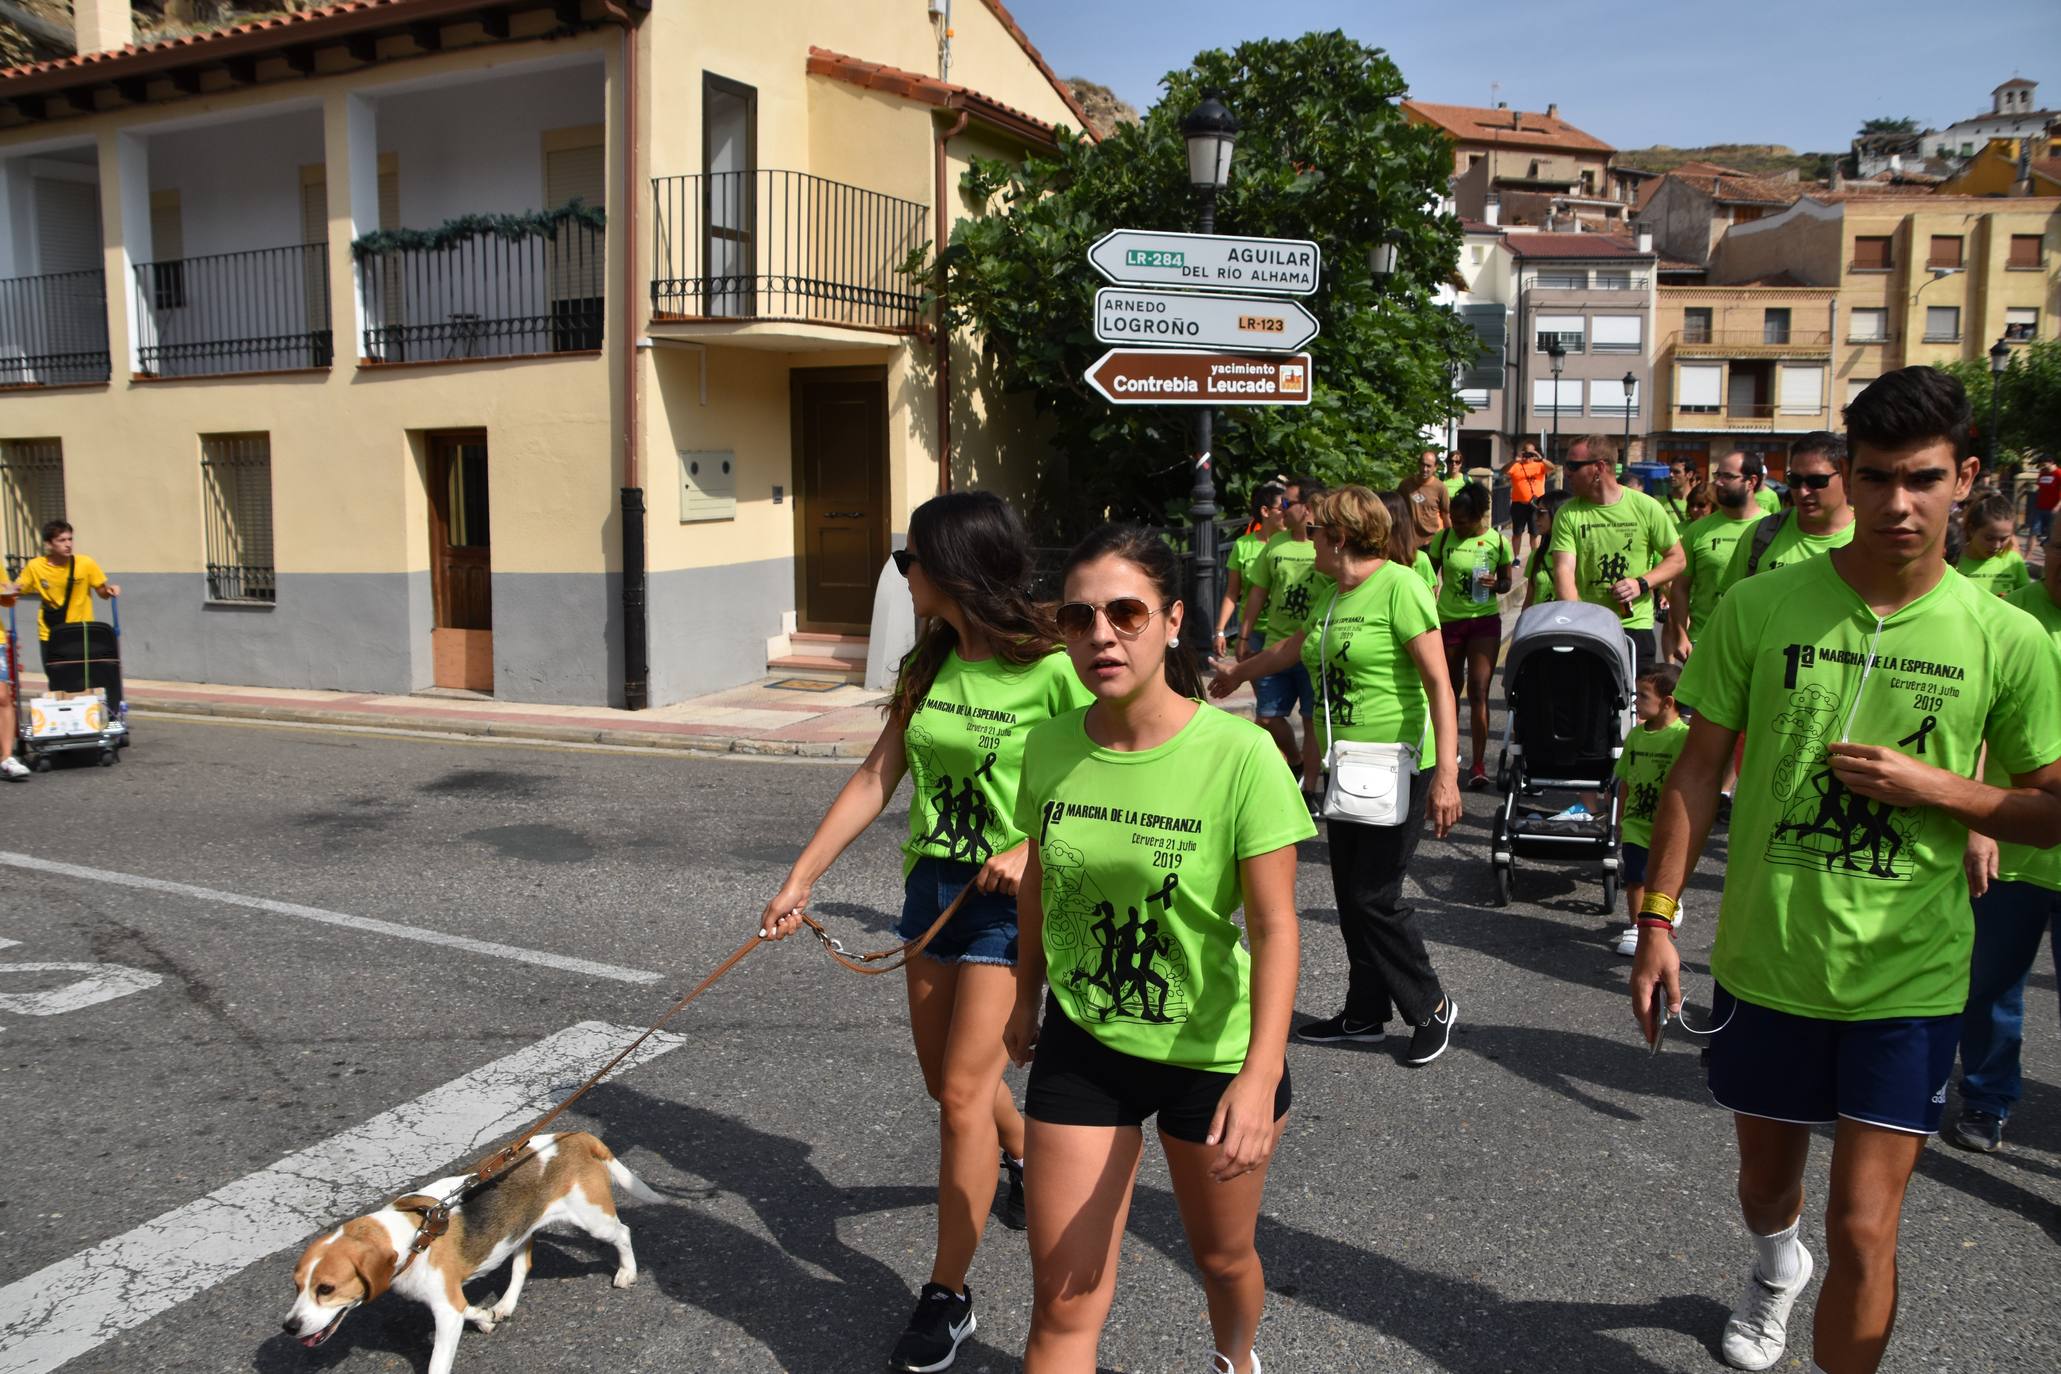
[1148, 257]
[1166, 377]
[1125, 315]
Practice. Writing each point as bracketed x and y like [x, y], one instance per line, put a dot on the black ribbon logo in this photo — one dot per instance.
[1917, 736]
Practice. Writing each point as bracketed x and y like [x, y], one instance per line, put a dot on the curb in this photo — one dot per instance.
[712, 746]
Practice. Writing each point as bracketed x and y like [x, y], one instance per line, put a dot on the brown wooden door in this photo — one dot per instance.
[840, 444]
[461, 563]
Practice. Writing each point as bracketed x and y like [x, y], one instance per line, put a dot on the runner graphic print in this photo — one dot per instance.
[1823, 824]
[1116, 967]
[964, 825]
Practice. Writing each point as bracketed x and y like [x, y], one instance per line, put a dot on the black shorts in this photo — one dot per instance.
[1076, 1080]
[1524, 518]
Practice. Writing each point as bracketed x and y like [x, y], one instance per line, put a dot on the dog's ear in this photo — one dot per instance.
[372, 1257]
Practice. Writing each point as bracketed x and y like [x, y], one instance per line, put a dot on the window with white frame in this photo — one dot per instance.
[1800, 390]
[31, 492]
[236, 483]
[2021, 323]
[1699, 387]
[1568, 331]
[1545, 402]
[1617, 333]
[1942, 324]
[1868, 325]
[1610, 397]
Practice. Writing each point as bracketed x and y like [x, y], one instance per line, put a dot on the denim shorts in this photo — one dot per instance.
[982, 932]
[1279, 693]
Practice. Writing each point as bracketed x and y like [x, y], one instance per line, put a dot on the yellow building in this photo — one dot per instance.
[380, 346]
[2007, 167]
[1741, 367]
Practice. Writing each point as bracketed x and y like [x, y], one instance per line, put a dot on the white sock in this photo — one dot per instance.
[1778, 1259]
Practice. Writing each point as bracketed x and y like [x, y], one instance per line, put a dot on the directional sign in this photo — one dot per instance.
[1146, 257]
[1165, 377]
[1125, 315]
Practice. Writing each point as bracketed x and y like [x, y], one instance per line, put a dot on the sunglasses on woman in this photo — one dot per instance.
[1127, 615]
[904, 560]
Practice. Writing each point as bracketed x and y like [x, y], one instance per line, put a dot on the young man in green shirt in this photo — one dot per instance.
[1821, 522]
[1284, 581]
[1864, 684]
[1707, 546]
[1612, 546]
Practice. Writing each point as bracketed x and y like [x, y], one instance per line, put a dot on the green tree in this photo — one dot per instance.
[1324, 153]
[2029, 400]
[1886, 125]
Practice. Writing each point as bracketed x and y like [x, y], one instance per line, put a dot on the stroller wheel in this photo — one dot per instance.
[1502, 884]
[108, 758]
[42, 763]
[1609, 893]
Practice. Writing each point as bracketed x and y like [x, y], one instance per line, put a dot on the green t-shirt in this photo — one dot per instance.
[1457, 561]
[2001, 574]
[2021, 863]
[1284, 568]
[1790, 545]
[1643, 765]
[1610, 543]
[1453, 484]
[1421, 565]
[1835, 906]
[1769, 503]
[965, 750]
[1708, 545]
[1140, 854]
[1244, 549]
[1540, 571]
[1677, 512]
[1375, 692]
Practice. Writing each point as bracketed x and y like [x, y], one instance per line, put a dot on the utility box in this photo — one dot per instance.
[708, 486]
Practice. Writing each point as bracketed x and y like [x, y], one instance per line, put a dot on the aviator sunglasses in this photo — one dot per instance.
[1128, 616]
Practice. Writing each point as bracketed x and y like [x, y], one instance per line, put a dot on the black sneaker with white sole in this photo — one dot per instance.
[1334, 1029]
[1013, 1215]
[1430, 1039]
[942, 1320]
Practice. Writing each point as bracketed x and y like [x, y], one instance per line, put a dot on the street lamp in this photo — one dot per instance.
[1631, 380]
[1383, 254]
[1557, 356]
[1211, 134]
[1999, 363]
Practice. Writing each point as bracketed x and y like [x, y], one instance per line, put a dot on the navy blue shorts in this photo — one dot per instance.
[982, 932]
[1279, 693]
[1800, 1069]
[1632, 865]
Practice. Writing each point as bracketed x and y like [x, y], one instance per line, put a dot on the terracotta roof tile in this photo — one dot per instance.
[83, 61]
[1575, 246]
[925, 90]
[1474, 124]
[1731, 186]
[1008, 21]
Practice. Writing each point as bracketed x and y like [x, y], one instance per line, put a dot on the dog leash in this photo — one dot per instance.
[436, 1219]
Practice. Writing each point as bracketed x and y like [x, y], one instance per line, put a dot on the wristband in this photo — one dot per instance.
[1655, 923]
[1645, 587]
[1663, 906]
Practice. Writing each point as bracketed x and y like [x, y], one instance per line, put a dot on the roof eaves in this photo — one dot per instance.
[931, 91]
[1008, 21]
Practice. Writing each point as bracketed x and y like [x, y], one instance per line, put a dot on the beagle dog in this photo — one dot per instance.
[563, 1182]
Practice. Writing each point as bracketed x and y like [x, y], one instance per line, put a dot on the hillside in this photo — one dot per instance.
[1756, 159]
[32, 30]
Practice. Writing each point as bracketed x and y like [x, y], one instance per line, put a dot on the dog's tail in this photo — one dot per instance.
[630, 1183]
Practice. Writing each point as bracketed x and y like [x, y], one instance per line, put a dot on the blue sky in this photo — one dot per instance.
[1633, 74]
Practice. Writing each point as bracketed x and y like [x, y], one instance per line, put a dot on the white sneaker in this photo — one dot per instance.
[1218, 1364]
[1758, 1331]
[12, 769]
[1628, 941]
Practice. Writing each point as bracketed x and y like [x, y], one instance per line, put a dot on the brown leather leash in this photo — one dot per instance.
[437, 1218]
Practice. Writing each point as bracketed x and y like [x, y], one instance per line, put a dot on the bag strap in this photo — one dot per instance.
[1324, 664]
[1763, 535]
[64, 607]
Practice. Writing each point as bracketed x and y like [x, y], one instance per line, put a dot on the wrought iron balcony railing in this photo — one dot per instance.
[486, 296]
[769, 245]
[53, 329]
[265, 310]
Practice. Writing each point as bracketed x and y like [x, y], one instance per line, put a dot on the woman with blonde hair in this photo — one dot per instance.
[1374, 652]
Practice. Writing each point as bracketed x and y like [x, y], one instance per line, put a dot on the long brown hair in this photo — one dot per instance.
[1402, 529]
[973, 548]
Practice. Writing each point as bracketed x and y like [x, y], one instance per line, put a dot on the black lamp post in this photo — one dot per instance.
[1211, 134]
[1999, 363]
[1631, 381]
[1557, 356]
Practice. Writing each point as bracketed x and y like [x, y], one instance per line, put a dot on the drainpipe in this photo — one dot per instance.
[636, 627]
[944, 338]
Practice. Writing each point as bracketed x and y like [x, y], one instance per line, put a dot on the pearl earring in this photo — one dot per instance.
[1174, 643]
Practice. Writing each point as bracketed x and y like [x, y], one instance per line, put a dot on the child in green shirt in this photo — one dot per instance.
[1649, 752]
[1989, 551]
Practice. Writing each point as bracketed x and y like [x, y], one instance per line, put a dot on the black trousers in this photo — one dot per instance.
[1389, 969]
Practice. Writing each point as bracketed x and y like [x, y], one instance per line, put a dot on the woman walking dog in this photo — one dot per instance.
[985, 669]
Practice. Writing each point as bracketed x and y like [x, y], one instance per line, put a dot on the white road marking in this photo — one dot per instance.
[8, 944]
[334, 918]
[102, 983]
[68, 1308]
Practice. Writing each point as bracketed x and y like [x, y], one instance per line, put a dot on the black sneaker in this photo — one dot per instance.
[1012, 1202]
[1333, 1029]
[1430, 1039]
[1981, 1132]
[943, 1319]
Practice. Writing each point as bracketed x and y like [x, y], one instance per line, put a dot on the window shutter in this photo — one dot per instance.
[1609, 396]
[1871, 252]
[1617, 333]
[1802, 390]
[1855, 386]
[67, 226]
[1490, 324]
[1942, 323]
[576, 170]
[2025, 251]
[1697, 385]
[1869, 326]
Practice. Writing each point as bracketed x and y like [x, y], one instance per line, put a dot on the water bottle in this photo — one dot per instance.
[1484, 575]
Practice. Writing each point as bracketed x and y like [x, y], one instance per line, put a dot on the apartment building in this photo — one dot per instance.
[1591, 296]
[1740, 367]
[1690, 208]
[557, 350]
[1484, 293]
[1518, 167]
[1920, 278]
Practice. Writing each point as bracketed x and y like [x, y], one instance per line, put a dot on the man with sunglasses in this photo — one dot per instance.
[1707, 546]
[1528, 473]
[1821, 522]
[1613, 546]
[1865, 684]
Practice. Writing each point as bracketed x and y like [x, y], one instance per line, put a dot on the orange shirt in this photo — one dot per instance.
[1527, 479]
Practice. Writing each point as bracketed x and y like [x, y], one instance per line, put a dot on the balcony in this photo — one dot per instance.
[1753, 343]
[782, 246]
[266, 310]
[434, 297]
[1764, 417]
[53, 330]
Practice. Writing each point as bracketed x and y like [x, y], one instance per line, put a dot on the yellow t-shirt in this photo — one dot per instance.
[42, 583]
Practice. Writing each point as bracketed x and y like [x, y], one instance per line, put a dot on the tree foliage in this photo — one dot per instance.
[1324, 153]
[2029, 401]
[1883, 124]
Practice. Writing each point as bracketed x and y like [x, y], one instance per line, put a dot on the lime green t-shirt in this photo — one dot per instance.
[1677, 512]
[1421, 565]
[1284, 568]
[1365, 671]
[1457, 562]
[1769, 503]
[2000, 574]
[1790, 545]
[1708, 545]
[2021, 863]
[964, 744]
[1139, 854]
[1643, 765]
[1453, 484]
[1244, 549]
[1610, 543]
[1540, 571]
[1835, 906]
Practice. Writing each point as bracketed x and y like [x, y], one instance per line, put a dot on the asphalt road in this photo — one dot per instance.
[1547, 1197]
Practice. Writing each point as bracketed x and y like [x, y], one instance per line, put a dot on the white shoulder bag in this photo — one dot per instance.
[1369, 783]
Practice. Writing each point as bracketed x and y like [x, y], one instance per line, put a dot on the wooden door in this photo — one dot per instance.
[461, 563]
[840, 449]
